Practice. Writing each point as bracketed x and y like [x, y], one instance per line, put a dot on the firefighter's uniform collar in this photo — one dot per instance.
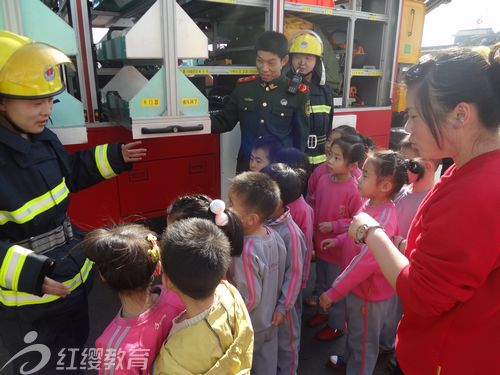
[20, 144]
[13, 140]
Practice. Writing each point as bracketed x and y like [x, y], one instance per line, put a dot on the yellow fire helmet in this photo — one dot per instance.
[29, 69]
[482, 50]
[307, 41]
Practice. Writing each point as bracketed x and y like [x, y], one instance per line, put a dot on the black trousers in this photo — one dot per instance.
[48, 338]
[53, 345]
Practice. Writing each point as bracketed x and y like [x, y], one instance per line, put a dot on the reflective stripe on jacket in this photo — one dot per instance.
[12, 298]
[36, 177]
[320, 120]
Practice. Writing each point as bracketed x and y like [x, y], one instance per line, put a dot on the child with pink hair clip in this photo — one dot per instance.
[127, 259]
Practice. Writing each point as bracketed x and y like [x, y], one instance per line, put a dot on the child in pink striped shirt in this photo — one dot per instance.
[281, 221]
[370, 299]
[127, 258]
[337, 201]
[302, 213]
[322, 169]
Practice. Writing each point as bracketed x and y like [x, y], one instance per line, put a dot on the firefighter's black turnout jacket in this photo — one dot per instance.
[36, 178]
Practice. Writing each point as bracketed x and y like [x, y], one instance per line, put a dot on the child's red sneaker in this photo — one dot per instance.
[317, 320]
[328, 334]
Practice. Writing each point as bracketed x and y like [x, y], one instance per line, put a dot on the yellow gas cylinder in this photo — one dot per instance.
[399, 99]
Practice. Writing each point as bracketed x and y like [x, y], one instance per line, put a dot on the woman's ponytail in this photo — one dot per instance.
[494, 69]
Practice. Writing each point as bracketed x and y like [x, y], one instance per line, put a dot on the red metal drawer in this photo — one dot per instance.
[151, 186]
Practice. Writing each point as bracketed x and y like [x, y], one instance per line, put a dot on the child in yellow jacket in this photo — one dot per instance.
[214, 334]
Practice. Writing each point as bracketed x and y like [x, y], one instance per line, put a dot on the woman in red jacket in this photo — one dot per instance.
[448, 280]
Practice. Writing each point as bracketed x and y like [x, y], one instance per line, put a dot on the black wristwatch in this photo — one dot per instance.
[362, 232]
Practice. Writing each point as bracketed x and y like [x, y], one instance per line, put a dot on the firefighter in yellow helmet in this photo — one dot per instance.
[44, 279]
[306, 51]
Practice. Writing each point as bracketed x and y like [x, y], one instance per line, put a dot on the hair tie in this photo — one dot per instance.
[217, 207]
[154, 251]
[413, 166]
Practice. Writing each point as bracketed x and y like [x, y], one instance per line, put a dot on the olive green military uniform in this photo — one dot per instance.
[265, 108]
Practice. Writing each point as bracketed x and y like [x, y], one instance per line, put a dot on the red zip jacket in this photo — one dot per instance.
[450, 291]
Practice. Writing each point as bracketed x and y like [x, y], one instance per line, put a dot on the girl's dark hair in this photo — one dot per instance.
[198, 205]
[195, 255]
[343, 130]
[274, 42]
[347, 130]
[260, 192]
[292, 157]
[416, 166]
[295, 159]
[353, 148]
[390, 164]
[368, 142]
[185, 206]
[121, 255]
[268, 142]
[288, 181]
[454, 76]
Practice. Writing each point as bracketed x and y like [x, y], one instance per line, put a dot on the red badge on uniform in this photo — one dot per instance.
[304, 89]
[246, 79]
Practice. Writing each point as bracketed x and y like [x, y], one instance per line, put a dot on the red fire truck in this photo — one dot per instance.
[162, 66]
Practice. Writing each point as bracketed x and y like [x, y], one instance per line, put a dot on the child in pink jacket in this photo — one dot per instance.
[337, 201]
[322, 169]
[370, 300]
[303, 215]
[127, 258]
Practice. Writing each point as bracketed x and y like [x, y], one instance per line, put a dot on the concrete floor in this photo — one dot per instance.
[314, 353]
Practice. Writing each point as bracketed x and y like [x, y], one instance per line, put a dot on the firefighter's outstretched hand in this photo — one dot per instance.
[131, 153]
[55, 288]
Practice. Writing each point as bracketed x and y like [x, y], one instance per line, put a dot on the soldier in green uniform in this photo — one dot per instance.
[267, 103]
